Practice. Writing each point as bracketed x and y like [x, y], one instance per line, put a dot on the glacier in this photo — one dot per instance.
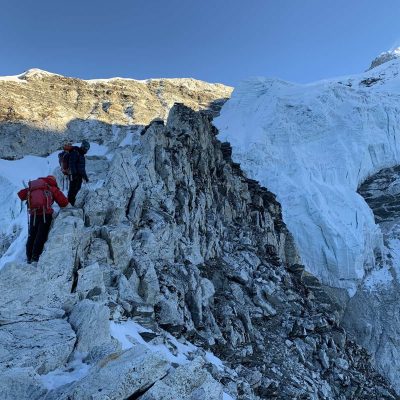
[314, 145]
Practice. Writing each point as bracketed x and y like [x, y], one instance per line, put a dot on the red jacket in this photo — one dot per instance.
[57, 196]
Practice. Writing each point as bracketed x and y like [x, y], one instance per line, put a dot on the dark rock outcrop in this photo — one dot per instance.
[225, 273]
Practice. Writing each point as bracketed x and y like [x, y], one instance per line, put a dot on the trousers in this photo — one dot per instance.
[38, 231]
[74, 187]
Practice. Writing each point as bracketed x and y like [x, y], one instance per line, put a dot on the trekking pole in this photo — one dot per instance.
[20, 209]
[27, 213]
[27, 205]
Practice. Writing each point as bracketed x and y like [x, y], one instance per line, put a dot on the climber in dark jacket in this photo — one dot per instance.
[78, 171]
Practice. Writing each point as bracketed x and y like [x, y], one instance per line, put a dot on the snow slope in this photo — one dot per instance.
[14, 175]
[313, 145]
[128, 334]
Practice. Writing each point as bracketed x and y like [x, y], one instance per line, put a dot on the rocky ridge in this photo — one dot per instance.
[180, 241]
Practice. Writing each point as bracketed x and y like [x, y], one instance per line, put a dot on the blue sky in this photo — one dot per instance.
[214, 40]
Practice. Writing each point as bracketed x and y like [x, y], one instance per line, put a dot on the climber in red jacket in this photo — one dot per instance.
[40, 195]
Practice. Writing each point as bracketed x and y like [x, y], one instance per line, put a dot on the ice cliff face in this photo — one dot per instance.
[314, 145]
[175, 279]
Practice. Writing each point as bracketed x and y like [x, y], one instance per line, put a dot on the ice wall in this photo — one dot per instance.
[313, 145]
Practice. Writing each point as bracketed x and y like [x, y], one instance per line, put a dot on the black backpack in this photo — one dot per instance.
[63, 159]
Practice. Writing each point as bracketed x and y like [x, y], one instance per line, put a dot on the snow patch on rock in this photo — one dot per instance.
[128, 334]
[378, 278]
[72, 372]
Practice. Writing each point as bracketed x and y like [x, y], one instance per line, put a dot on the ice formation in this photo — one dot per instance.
[313, 145]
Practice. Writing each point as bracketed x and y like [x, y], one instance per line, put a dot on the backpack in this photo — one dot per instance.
[40, 197]
[63, 159]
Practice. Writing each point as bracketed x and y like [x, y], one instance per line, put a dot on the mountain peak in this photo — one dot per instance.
[385, 57]
[36, 72]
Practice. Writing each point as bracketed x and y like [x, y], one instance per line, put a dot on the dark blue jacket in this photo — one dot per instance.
[77, 162]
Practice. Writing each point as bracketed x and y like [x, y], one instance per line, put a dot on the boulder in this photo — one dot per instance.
[119, 239]
[90, 321]
[117, 377]
[190, 381]
[43, 345]
[21, 384]
[91, 283]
